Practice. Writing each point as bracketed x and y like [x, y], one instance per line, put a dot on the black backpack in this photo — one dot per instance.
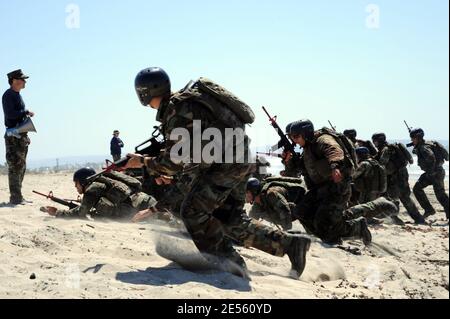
[440, 152]
[347, 146]
[401, 155]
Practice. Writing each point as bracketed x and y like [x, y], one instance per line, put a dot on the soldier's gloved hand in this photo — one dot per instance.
[287, 156]
[336, 175]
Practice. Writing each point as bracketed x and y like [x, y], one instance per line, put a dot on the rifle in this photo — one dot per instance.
[66, 202]
[332, 126]
[153, 149]
[284, 143]
[409, 130]
[270, 154]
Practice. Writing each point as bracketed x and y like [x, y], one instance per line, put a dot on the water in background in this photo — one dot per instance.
[414, 170]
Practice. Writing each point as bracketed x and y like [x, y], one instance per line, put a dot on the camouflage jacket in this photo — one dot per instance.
[278, 192]
[318, 156]
[181, 112]
[111, 195]
[364, 175]
[426, 158]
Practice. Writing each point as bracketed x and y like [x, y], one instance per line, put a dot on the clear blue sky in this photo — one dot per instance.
[314, 59]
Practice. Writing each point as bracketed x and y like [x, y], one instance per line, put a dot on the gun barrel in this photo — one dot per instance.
[265, 111]
[407, 126]
[332, 126]
[270, 154]
[36, 192]
[50, 196]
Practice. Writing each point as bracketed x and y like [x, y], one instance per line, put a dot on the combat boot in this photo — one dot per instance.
[418, 219]
[374, 221]
[429, 213]
[296, 251]
[364, 232]
[397, 220]
[230, 260]
[360, 230]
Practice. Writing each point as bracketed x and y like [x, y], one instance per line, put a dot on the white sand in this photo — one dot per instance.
[92, 259]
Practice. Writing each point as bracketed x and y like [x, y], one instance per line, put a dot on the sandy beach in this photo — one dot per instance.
[45, 257]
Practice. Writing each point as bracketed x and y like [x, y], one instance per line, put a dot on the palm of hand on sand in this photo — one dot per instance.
[50, 210]
[142, 215]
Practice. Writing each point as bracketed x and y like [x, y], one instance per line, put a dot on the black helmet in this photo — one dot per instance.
[288, 128]
[417, 132]
[253, 186]
[304, 128]
[350, 133]
[362, 151]
[150, 83]
[379, 137]
[82, 174]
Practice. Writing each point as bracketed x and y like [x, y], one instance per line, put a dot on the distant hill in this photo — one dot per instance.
[67, 161]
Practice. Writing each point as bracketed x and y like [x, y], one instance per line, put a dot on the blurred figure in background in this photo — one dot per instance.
[116, 146]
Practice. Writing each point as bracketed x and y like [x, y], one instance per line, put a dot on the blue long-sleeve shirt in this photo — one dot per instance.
[13, 108]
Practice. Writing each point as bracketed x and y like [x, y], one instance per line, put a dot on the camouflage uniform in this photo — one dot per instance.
[362, 179]
[214, 203]
[112, 195]
[321, 209]
[378, 208]
[277, 198]
[397, 181]
[434, 175]
[16, 155]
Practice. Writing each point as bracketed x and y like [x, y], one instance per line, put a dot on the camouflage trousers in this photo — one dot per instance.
[398, 189]
[365, 197]
[380, 208]
[16, 155]
[437, 180]
[321, 212]
[213, 212]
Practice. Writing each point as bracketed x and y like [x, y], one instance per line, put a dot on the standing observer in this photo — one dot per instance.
[16, 146]
[116, 146]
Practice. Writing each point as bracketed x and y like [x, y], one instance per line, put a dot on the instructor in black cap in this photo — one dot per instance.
[16, 148]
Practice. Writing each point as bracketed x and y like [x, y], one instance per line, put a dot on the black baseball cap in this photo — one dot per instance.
[17, 74]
